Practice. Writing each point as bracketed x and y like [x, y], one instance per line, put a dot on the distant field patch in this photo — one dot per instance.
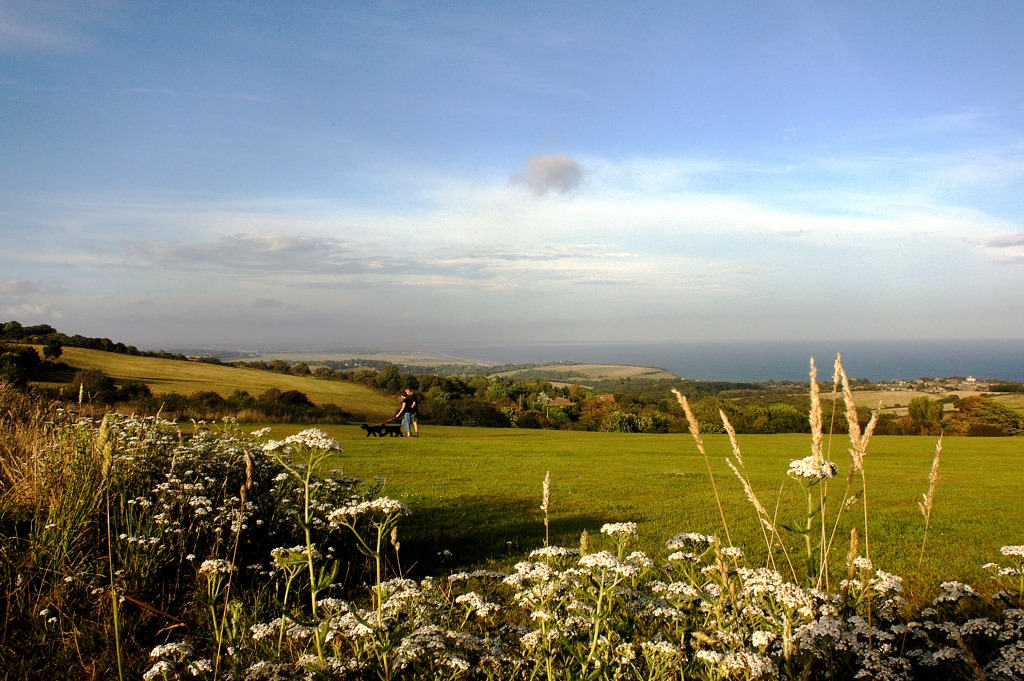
[575, 373]
[896, 400]
[185, 378]
[411, 359]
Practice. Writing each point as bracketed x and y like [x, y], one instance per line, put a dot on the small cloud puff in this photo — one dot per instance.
[17, 287]
[273, 304]
[544, 174]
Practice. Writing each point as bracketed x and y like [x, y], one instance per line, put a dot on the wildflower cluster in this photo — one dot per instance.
[812, 469]
[252, 565]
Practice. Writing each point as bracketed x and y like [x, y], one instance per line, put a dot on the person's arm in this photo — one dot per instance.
[401, 410]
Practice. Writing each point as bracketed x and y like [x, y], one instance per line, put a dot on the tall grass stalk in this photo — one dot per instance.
[818, 458]
[926, 505]
[106, 441]
[694, 426]
[766, 523]
[238, 526]
[545, 506]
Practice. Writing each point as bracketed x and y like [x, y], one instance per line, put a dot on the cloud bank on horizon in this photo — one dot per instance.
[203, 173]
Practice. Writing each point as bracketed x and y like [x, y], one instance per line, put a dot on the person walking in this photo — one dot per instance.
[409, 413]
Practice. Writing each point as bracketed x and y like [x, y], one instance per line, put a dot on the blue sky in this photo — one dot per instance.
[254, 173]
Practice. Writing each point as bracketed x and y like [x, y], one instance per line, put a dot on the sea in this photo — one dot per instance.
[739, 361]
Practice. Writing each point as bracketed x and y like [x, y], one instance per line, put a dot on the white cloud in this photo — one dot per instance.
[34, 311]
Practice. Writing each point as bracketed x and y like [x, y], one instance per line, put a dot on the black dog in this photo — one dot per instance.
[376, 431]
[382, 430]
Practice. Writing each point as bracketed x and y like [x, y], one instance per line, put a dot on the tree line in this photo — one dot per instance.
[527, 401]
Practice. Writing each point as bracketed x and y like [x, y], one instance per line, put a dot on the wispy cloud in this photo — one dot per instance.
[245, 252]
[1008, 247]
[37, 26]
[322, 262]
[17, 287]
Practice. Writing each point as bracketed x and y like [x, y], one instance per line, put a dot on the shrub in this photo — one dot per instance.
[978, 415]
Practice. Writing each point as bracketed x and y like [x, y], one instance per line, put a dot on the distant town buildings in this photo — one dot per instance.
[936, 385]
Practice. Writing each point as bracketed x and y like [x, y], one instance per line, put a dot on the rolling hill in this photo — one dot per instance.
[168, 375]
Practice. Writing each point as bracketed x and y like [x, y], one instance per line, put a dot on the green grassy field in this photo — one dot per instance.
[583, 373]
[167, 375]
[476, 492]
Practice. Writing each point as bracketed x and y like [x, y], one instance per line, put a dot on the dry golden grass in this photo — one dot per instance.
[411, 359]
[168, 375]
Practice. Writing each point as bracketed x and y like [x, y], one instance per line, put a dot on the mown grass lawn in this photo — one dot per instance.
[476, 493]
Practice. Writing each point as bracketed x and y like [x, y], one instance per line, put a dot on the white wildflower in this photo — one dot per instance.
[161, 670]
[608, 561]
[675, 589]
[1017, 550]
[215, 566]
[686, 539]
[640, 559]
[167, 649]
[886, 582]
[264, 630]
[683, 557]
[709, 656]
[471, 599]
[553, 552]
[314, 438]
[660, 649]
[382, 505]
[733, 552]
[748, 665]
[953, 592]
[807, 467]
[627, 529]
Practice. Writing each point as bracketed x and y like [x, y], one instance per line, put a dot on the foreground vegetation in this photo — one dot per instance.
[133, 549]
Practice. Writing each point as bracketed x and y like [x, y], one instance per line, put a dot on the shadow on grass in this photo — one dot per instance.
[50, 372]
[482, 532]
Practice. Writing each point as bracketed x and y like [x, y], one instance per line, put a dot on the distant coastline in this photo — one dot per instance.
[781, 361]
[735, 361]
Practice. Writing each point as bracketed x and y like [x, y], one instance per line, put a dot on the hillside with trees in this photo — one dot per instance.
[204, 388]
